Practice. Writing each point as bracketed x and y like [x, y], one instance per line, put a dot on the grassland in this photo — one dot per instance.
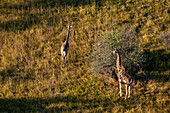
[31, 77]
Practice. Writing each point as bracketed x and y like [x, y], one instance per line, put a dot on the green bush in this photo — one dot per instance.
[126, 41]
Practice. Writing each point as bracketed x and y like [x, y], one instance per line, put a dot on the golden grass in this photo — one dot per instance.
[31, 77]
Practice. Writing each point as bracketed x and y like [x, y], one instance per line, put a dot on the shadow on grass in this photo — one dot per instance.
[21, 24]
[60, 104]
[157, 61]
[38, 105]
[10, 72]
[52, 3]
[27, 19]
[147, 77]
[156, 66]
[17, 73]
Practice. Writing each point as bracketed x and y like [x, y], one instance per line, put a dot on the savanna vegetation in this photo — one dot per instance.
[32, 31]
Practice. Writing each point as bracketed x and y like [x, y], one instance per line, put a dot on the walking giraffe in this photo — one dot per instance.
[123, 76]
[65, 48]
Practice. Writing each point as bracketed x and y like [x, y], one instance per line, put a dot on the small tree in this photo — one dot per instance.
[165, 37]
[125, 39]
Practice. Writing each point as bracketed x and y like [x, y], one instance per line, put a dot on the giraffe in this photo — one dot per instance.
[123, 76]
[65, 48]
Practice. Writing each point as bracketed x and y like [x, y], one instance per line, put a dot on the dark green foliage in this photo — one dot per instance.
[126, 41]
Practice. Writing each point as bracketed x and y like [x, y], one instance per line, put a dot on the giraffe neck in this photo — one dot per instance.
[118, 63]
[68, 35]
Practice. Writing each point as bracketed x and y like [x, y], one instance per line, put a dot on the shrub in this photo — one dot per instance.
[165, 37]
[125, 39]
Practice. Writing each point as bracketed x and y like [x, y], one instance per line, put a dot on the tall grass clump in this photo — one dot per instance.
[126, 40]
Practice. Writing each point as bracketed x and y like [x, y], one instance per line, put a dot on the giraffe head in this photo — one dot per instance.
[115, 51]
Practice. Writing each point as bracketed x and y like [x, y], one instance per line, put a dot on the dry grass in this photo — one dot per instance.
[31, 77]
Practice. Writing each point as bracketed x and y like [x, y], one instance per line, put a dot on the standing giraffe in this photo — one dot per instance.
[65, 48]
[123, 76]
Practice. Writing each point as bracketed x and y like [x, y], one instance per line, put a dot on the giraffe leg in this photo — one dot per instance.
[63, 62]
[126, 91]
[129, 92]
[120, 87]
